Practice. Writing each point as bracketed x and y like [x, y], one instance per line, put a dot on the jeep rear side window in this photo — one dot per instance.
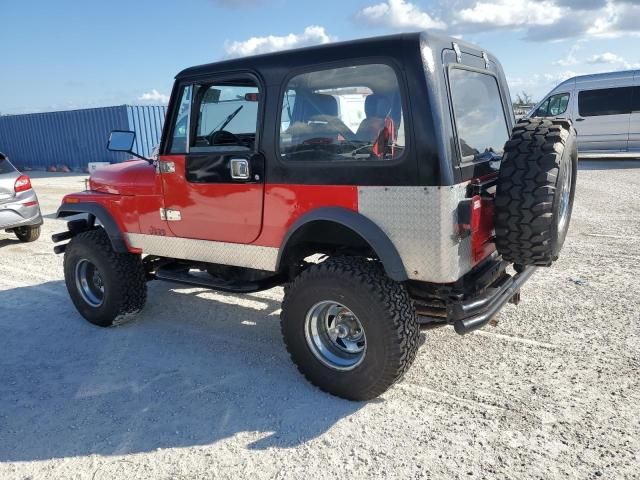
[226, 117]
[479, 115]
[342, 114]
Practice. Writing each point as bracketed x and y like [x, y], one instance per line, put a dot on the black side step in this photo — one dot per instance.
[184, 275]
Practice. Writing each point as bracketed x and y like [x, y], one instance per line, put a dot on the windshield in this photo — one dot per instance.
[479, 115]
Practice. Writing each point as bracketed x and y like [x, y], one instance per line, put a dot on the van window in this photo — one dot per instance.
[553, 106]
[635, 103]
[605, 101]
[341, 114]
[479, 115]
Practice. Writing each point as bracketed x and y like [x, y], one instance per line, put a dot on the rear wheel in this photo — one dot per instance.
[106, 287]
[351, 330]
[27, 234]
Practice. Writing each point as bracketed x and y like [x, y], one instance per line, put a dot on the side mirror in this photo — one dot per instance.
[3, 157]
[121, 141]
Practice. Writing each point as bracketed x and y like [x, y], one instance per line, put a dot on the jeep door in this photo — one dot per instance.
[602, 119]
[212, 169]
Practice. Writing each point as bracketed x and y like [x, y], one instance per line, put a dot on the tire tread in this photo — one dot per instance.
[131, 290]
[402, 325]
[526, 188]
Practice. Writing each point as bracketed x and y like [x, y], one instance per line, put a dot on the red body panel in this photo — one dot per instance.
[134, 177]
[243, 213]
[131, 192]
[224, 212]
[284, 204]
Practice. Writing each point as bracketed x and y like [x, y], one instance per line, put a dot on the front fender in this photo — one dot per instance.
[380, 243]
[102, 215]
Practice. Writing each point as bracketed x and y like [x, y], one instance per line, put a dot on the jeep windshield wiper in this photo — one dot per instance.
[226, 121]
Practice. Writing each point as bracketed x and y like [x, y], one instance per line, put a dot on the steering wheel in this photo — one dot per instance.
[223, 137]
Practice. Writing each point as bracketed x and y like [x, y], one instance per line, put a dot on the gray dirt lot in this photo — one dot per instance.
[200, 386]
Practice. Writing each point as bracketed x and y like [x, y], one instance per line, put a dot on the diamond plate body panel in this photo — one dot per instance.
[237, 254]
[421, 222]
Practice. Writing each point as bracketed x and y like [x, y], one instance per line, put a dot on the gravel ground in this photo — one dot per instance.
[200, 386]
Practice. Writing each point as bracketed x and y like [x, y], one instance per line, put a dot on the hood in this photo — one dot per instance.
[133, 177]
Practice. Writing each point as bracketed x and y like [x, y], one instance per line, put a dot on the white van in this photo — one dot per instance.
[605, 109]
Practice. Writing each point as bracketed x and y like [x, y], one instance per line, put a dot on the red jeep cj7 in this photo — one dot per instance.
[381, 182]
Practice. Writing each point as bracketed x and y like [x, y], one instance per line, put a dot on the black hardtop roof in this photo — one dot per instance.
[390, 45]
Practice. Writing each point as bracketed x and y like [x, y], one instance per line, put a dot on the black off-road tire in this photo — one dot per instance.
[27, 234]
[123, 276]
[383, 307]
[537, 159]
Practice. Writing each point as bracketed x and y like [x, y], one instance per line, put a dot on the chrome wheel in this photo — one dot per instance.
[335, 335]
[565, 198]
[89, 283]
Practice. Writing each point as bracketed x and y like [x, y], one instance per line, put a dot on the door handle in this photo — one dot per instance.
[579, 119]
[239, 168]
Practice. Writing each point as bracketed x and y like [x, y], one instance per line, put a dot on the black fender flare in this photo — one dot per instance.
[359, 224]
[102, 215]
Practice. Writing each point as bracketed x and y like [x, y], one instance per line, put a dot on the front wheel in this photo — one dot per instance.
[105, 286]
[351, 330]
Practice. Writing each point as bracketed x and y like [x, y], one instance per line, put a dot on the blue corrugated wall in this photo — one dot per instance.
[77, 137]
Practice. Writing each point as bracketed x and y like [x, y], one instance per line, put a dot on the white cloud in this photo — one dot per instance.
[312, 35]
[398, 14]
[511, 13]
[569, 59]
[556, 78]
[606, 57]
[609, 58]
[154, 96]
[540, 21]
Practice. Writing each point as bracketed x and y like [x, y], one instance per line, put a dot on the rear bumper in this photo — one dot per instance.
[475, 312]
[20, 211]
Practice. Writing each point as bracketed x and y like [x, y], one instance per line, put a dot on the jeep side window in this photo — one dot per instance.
[553, 106]
[342, 114]
[479, 115]
[226, 117]
[179, 135]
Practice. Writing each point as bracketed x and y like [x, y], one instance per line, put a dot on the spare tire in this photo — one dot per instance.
[535, 190]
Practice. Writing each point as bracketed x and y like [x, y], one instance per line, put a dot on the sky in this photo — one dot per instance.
[68, 54]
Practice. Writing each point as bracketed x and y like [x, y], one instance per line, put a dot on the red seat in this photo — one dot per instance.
[376, 108]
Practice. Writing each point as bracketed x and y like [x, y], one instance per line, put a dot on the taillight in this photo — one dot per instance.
[22, 184]
[475, 217]
[476, 212]
[469, 215]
